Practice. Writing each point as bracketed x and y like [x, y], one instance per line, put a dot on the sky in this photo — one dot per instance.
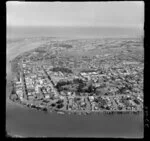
[113, 14]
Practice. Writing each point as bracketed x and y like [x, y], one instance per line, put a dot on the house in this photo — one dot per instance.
[18, 83]
[29, 93]
[69, 93]
[47, 96]
[83, 74]
[61, 97]
[91, 98]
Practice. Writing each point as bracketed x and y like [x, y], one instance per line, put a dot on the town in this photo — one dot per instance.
[52, 84]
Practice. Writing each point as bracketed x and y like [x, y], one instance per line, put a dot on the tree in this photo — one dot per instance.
[90, 88]
[14, 97]
[80, 87]
[80, 81]
[61, 69]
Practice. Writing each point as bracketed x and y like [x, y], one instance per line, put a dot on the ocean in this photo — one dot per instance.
[31, 123]
[73, 32]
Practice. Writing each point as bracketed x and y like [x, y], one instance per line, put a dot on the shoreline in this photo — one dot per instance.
[82, 112]
[31, 105]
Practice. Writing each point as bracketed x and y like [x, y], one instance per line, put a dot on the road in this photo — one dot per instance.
[51, 82]
[23, 81]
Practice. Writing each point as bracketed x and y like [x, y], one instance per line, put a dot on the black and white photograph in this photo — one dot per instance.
[75, 69]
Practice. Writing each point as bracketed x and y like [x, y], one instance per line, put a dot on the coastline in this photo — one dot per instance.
[23, 120]
[19, 104]
[79, 112]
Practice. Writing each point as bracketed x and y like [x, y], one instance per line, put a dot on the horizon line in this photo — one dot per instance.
[92, 26]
